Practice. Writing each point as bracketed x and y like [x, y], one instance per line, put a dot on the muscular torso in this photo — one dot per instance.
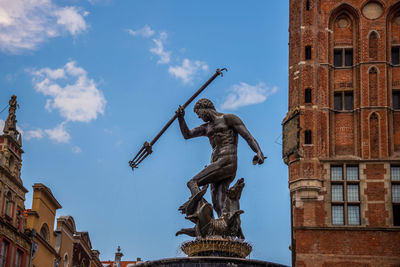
[223, 139]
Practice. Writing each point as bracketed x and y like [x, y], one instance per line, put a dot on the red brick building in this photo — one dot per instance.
[342, 132]
[15, 242]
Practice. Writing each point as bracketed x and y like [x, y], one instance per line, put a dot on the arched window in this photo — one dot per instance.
[44, 232]
[373, 46]
[9, 204]
[11, 163]
[66, 260]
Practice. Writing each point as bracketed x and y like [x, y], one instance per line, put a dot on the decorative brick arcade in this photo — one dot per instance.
[341, 136]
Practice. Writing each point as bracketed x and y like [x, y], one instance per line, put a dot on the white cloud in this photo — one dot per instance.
[188, 70]
[71, 19]
[76, 149]
[70, 91]
[244, 94]
[164, 56]
[146, 31]
[34, 134]
[58, 134]
[24, 25]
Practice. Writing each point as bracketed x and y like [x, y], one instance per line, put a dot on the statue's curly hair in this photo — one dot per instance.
[203, 103]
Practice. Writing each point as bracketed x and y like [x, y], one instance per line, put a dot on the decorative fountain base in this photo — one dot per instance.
[217, 246]
[212, 252]
[207, 262]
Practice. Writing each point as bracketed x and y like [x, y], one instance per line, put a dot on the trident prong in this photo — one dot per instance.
[141, 155]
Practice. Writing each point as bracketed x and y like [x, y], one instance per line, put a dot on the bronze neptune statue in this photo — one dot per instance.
[222, 131]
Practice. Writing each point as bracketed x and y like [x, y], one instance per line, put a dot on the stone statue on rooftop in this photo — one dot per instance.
[10, 126]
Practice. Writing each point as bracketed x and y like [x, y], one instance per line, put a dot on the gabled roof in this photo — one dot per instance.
[48, 193]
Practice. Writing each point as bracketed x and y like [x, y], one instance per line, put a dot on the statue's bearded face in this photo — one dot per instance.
[204, 114]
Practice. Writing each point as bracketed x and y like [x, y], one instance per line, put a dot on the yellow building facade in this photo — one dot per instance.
[62, 247]
[41, 220]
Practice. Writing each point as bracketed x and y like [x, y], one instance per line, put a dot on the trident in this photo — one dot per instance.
[147, 147]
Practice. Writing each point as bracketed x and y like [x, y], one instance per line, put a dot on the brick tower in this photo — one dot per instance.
[341, 135]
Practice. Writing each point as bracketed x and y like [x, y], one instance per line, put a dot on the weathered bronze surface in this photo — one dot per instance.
[222, 131]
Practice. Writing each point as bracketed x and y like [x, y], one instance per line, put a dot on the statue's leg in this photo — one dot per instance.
[218, 195]
[213, 173]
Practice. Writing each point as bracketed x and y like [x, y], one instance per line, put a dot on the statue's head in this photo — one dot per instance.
[204, 108]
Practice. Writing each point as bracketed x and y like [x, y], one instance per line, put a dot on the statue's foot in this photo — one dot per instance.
[189, 206]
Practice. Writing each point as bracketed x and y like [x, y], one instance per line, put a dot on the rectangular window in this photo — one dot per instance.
[348, 57]
[18, 258]
[396, 99]
[308, 52]
[395, 178]
[307, 95]
[3, 253]
[337, 214]
[308, 137]
[337, 57]
[345, 195]
[352, 173]
[348, 101]
[343, 57]
[343, 101]
[336, 173]
[337, 192]
[396, 55]
[338, 101]
[353, 214]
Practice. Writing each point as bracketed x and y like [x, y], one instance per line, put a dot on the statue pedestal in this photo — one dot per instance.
[217, 246]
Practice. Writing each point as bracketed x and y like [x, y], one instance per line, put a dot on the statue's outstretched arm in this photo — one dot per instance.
[186, 132]
[239, 126]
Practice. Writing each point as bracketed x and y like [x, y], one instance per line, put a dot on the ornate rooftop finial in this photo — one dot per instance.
[10, 126]
[118, 256]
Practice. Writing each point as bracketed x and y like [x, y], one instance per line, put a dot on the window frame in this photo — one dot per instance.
[396, 92]
[345, 203]
[397, 204]
[395, 47]
[308, 52]
[343, 59]
[308, 96]
[343, 100]
[308, 137]
[4, 259]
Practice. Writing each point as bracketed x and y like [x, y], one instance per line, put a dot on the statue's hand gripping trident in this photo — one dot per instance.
[147, 147]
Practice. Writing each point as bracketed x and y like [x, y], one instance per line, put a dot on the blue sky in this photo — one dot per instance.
[97, 78]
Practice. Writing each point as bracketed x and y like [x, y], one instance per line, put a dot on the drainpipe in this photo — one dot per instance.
[33, 247]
